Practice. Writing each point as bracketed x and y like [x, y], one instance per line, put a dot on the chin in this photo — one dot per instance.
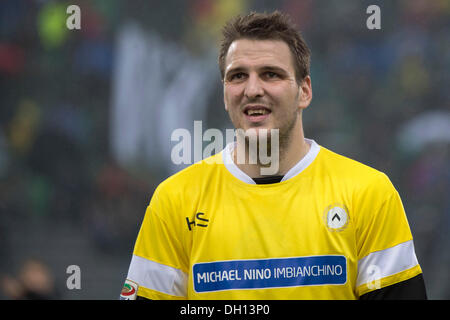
[256, 133]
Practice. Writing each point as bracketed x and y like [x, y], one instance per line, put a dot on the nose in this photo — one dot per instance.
[253, 88]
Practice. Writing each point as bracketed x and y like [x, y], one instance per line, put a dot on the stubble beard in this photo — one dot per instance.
[284, 138]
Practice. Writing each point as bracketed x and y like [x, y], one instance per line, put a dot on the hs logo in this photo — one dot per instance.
[198, 217]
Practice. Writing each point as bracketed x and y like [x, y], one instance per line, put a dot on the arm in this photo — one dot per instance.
[411, 289]
[387, 264]
[158, 268]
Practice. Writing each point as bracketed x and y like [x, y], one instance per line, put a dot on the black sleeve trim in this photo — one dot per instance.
[411, 289]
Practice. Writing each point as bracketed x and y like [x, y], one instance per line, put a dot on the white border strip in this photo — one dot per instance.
[384, 263]
[305, 161]
[232, 167]
[295, 170]
[158, 277]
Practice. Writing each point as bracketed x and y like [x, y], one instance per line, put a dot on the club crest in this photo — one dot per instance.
[336, 217]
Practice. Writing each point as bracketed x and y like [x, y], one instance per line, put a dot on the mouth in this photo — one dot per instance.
[256, 113]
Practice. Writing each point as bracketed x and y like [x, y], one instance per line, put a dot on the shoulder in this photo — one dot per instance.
[359, 176]
[189, 181]
[194, 174]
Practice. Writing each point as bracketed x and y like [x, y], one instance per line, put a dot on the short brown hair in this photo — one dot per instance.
[263, 26]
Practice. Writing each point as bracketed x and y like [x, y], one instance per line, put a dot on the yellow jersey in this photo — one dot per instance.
[333, 228]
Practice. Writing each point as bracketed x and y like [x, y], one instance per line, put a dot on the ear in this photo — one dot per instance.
[305, 93]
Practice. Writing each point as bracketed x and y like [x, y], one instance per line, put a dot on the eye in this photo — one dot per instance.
[237, 76]
[271, 75]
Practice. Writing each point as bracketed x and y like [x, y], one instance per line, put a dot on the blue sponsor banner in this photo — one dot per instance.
[269, 273]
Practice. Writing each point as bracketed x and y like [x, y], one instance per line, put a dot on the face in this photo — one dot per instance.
[260, 89]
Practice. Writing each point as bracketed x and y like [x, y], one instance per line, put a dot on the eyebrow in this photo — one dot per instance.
[263, 68]
[274, 68]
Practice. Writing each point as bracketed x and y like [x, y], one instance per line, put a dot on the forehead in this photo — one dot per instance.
[247, 53]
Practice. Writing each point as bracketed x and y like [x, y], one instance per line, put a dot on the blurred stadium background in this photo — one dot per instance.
[86, 117]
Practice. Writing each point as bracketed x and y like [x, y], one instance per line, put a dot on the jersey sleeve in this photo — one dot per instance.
[159, 266]
[386, 254]
[411, 289]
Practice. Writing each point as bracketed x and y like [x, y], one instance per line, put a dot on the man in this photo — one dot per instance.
[322, 227]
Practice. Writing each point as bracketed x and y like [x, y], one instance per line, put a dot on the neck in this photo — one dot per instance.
[291, 151]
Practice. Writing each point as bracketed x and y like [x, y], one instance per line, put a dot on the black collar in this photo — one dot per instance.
[268, 179]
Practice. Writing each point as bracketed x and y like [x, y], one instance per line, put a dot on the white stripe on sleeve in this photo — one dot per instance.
[157, 276]
[384, 263]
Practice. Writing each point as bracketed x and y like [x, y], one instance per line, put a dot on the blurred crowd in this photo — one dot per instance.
[34, 281]
[380, 97]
